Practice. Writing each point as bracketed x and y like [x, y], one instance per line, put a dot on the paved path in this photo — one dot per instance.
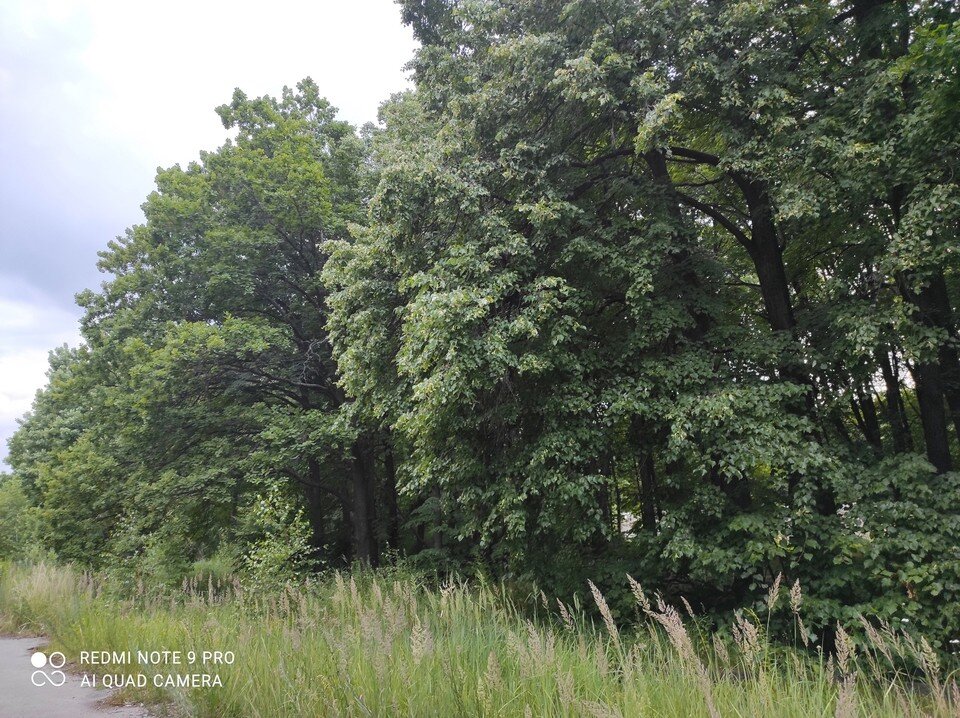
[19, 698]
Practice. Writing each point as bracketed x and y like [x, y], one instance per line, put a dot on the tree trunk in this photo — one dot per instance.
[765, 251]
[436, 534]
[836, 419]
[344, 546]
[390, 500]
[767, 259]
[767, 255]
[648, 492]
[645, 439]
[364, 540]
[316, 514]
[928, 374]
[894, 409]
[868, 417]
[935, 301]
[929, 380]
[933, 415]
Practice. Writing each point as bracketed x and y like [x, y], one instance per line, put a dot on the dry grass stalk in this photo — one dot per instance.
[565, 615]
[355, 593]
[565, 688]
[638, 594]
[597, 709]
[931, 669]
[846, 699]
[669, 618]
[421, 641]
[720, 649]
[541, 646]
[796, 600]
[494, 674]
[601, 661]
[845, 651]
[876, 640]
[774, 593]
[491, 684]
[606, 614]
[746, 636]
[521, 651]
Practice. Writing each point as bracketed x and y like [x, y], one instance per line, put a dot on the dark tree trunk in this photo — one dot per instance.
[894, 408]
[935, 302]
[419, 530]
[868, 418]
[933, 415]
[390, 499]
[767, 256]
[929, 381]
[617, 512]
[950, 370]
[648, 492]
[437, 534]
[928, 375]
[763, 246]
[344, 546]
[644, 438]
[316, 514]
[362, 489]
[836, 419]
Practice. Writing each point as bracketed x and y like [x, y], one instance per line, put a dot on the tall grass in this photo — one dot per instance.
[365, 644]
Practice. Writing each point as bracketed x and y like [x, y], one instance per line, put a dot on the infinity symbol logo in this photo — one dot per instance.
[55, 677]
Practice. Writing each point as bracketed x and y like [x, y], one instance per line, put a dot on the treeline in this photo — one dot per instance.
[668, 288]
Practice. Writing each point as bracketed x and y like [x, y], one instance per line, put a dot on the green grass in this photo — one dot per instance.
[368, 644]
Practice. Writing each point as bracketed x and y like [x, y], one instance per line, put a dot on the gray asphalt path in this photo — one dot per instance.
[20, 698]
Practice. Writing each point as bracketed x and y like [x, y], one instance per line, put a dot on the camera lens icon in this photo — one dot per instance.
[55, 661]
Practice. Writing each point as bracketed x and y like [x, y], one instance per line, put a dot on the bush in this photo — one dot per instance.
[282, 548]
[19, 523]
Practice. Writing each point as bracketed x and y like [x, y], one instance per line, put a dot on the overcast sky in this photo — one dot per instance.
[96, 94]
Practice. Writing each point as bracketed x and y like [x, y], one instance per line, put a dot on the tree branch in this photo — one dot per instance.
[718, 217]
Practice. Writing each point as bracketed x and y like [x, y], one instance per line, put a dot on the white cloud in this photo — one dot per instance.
[162, 67]
[21, 374]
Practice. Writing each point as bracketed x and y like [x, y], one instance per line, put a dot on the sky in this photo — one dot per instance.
[95, 95]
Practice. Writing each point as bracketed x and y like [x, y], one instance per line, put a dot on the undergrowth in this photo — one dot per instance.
[375, 644]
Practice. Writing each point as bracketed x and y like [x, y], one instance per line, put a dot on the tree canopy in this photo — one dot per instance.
[667, 288]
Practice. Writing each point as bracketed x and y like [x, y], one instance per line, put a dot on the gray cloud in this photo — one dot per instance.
[96, 94]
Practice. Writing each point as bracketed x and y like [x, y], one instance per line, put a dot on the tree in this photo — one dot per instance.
[665, 288]
[211, 346]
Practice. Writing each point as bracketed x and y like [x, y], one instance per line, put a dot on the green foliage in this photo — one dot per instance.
[19, 524]
[206, 369]
[663, 288]
[282, 547]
